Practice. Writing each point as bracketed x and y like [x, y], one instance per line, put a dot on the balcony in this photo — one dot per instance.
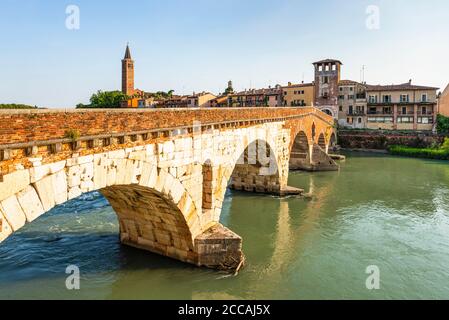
[380, 112]
[356, 113]
[427, 113]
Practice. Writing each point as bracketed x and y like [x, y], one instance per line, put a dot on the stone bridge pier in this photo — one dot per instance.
[164, 172]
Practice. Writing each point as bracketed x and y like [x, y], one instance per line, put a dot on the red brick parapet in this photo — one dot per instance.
[25, 126]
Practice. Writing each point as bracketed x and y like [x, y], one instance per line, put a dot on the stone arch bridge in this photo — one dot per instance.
[164, 171]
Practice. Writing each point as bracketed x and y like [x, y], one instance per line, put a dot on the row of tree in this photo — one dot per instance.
[114, 99]
[16, 106]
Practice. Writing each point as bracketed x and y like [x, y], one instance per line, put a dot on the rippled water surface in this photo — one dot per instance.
[378, 210]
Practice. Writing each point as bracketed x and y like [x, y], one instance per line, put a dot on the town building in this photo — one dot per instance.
[352, 104]
[443, 102]
[268, 97]
[327, 78]
[219, 102]
[175, 102]
[298, 95]
[401, 107]
[200, 100]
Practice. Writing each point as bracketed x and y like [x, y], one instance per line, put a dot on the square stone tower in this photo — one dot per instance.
[327, 77]
[128, 73]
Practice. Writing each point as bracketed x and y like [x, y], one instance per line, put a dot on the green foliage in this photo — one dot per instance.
[105, 99]
[162, 95]
[429, 153]
[445, 145]
[16, 106]
[229, 90]
[442, 124]
[72, 134]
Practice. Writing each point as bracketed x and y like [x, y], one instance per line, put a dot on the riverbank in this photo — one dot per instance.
[427, 153]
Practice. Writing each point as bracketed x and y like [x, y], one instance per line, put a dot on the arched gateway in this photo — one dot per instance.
[164, 172]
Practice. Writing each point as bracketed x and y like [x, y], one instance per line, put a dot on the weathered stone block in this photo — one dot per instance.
[13, 183]
[30, 203]
[60, 187]
[44, 188]
[13, 212]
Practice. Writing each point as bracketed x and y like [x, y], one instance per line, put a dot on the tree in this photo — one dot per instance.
[229, 90]
[105, 99]
[442, 124]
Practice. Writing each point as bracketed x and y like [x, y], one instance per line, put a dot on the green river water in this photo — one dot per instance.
[378, 210]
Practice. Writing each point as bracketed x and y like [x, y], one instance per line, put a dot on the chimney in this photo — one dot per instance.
[302, 81]
[289, 83]
[410, 81]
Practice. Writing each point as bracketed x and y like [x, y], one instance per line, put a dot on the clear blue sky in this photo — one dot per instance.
[195, 45]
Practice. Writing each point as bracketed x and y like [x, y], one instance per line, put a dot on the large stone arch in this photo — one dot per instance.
[154, 209]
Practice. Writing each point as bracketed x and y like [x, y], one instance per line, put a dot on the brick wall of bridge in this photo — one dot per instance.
[18, 126]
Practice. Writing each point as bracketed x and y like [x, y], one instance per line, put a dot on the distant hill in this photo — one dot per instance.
[16, 106]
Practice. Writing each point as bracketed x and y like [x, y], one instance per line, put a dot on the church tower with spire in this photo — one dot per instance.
[128, 73]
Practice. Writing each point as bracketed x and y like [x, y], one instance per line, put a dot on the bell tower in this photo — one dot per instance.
[327, 78]
[128, 73]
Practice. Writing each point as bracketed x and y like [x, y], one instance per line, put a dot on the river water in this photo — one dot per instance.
[381, 211]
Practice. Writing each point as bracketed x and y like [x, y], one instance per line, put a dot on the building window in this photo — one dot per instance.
[325, 79]
[341, 89]
[405, 119]
[351, 97]
[351, 89]
[404, 98]
[425, 120]
[373, 99]
[359, 120]
[424, 97]
[320, 68]
[380, 119]
[386, 99]
[334, 67]
[340, 108]
[341, 97]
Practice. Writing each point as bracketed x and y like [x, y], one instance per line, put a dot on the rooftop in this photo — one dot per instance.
[328, 61]
[299, 85]
[398, 87]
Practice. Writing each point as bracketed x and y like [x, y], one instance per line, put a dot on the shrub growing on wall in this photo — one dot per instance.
[442, 124]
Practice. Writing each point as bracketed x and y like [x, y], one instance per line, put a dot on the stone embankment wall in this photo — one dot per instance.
[381, 140]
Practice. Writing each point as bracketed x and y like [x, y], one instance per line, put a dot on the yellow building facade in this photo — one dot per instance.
[297, 95]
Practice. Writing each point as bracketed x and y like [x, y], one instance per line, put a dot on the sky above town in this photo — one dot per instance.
[49, 59]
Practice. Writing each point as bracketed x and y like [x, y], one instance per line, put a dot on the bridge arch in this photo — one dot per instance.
[154, 210]
[253, 167]
[300, 155]
[322, 141]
